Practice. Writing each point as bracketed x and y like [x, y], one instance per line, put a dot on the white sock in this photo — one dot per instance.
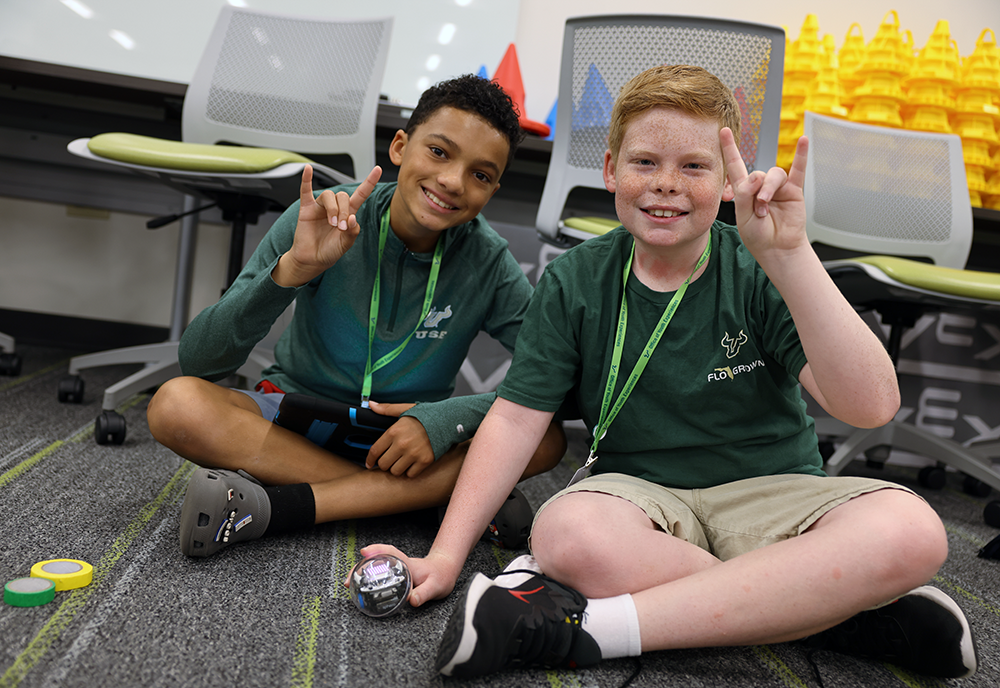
[613, 623]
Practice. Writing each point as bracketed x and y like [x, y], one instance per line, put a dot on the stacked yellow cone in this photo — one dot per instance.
[879, 99]
[802, 61]
[975, 119]
[932, 81]
[888, 83]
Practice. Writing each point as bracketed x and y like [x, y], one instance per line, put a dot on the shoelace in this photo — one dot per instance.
[546, 648]
[637, 660]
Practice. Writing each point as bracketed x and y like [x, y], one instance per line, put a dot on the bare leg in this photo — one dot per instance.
[862, 553]
[217, 427]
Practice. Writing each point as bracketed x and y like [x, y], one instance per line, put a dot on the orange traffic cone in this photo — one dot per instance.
[508, 76]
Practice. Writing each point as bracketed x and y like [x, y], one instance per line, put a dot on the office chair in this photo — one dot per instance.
[600, 54]
[10, 360]
[902, 195]
[266, 85]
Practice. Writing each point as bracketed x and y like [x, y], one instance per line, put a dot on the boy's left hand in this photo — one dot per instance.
[770, 208]
[402, 449]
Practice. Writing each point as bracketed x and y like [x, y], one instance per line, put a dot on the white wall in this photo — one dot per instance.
[63, 260]
[540, 27]
[164, 40]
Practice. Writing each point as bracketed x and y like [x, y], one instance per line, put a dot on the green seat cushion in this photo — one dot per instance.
[969, 283]
[593, 225]
[198, 157]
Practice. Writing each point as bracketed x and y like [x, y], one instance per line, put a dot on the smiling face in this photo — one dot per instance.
[668, 180]
[449, 167]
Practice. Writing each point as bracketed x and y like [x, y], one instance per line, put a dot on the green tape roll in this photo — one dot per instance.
[29, 592]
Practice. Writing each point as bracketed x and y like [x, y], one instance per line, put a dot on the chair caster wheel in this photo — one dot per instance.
[933, 477]
[991, 514]
[975, 487]
[10, 364]
[109, 428]
[71, 389]
[826, 449]
[877, 456]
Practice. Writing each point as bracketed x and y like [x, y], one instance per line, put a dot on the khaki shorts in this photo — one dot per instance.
[735, 518]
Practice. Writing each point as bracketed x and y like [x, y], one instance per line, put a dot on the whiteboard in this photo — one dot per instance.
[163, 39]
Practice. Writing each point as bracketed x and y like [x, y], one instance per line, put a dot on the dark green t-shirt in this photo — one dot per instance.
[719, 399]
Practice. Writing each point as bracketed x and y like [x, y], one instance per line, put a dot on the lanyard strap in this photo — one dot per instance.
[609, 411]
[432, 279]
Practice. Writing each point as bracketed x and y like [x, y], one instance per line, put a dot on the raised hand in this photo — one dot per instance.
[770, 208]
[326, 229]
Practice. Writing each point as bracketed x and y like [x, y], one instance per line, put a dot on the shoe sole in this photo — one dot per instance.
[970, 655]
[460, 636]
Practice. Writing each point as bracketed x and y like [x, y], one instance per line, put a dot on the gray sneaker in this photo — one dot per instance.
[222, 507]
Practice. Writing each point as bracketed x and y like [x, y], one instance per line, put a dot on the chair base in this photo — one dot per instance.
[972, 462]
[161, 365]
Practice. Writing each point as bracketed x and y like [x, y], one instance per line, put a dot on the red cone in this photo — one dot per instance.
[508, 76]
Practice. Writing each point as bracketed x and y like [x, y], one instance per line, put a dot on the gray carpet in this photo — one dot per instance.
[274, 612]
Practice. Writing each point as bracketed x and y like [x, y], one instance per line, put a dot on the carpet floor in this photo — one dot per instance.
[274, 612]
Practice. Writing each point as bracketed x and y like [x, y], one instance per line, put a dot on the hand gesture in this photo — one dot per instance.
[404, 448]
[327, 227]
[770, 208]
[433, 576]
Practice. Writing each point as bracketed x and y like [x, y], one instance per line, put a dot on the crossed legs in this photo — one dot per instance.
[864, 552]
[216, 427]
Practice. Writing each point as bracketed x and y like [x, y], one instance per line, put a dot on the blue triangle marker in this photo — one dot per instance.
[482, 72]
[595, 103]
[551, 120]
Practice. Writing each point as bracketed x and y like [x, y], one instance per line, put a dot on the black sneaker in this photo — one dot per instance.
[923, 631]
[510, 528]
[222, 507]
[523, 619]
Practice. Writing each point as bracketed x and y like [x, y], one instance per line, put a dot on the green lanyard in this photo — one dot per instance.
[432, 279]
[609, 411]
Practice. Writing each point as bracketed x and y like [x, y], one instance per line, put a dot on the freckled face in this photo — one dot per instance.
[668, 180]
[449, 167]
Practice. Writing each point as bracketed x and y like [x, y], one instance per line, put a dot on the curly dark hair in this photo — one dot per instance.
[473, 94]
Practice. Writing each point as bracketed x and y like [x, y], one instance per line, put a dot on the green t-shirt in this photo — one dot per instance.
[719, 399]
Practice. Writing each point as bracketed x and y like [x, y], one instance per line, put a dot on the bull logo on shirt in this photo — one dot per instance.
[435, 317]
[732, 345]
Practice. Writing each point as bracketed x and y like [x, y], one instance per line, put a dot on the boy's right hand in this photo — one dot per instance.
[434, 576]
[326, 229]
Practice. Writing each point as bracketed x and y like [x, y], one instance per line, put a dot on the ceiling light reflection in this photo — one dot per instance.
[122, 38]
[79, 8]
[446, 34]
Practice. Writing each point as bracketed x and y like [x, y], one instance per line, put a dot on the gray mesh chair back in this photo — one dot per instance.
[601, 53]
[888, 191]
[300, 84]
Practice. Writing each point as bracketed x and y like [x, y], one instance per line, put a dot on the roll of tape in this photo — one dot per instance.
[67, 574]
[29, 592]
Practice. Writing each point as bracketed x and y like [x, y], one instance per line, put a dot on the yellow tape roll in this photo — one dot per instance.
[67, 574]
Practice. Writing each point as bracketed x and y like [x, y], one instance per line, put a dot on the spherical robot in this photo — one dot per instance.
[380, 585]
